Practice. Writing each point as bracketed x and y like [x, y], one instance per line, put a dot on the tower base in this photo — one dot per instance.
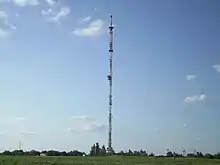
[110, 151]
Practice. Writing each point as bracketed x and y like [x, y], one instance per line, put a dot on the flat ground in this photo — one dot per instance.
[114, 160]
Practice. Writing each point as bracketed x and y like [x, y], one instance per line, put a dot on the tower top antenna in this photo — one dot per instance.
[111, 25]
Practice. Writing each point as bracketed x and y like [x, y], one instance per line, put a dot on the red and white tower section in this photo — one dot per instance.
[110, 149]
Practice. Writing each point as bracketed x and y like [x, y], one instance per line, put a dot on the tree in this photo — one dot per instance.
[130, 153]
[151, 154]
[17, 152]
[142, 153]
[199, 154]
[184, 152]
[93, 150]
[103, 151]
[210, 156]
[122, 153]
[217, 156]
[97, 149]
[169, 154]
[7, 153]
[136, 153]
[32, 153]
[190, 155]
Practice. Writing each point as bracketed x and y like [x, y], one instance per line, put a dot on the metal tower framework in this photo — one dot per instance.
[20, 145]
[110, 149]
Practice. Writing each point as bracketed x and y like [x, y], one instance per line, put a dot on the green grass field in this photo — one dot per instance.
[114, 160]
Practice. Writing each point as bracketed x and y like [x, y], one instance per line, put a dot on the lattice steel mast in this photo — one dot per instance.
[110, 149]
[20, 145]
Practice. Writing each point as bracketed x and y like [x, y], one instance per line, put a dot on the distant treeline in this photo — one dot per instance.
[42, 153]
[96, 150]
[170, 154]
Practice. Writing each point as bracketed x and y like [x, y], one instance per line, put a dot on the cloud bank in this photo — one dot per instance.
[23, 3]
[195, 98]
[56, 16]
[94, 28]
[190, 77]
[19, 118]
[28, 133]
[86, 124]
[5, 25]
[217, 67]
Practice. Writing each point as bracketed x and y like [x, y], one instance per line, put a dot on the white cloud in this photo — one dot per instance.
[86, 124]
[217, 67]
[195, 98]
[4, 33]
[19, 118]
[3, 15]
[28, 133]
[64, 11]
[202, 97]
[81, 117]
[55, 17]
[4, 20]
[95, 28]
[23, 3]
[184, 125]
[3, 1]
[190, 77]
[5, 25]
[51, 2]
[87, 19]
[48, 12]
[10, 25]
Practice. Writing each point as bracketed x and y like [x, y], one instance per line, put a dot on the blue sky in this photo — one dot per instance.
[54, 63]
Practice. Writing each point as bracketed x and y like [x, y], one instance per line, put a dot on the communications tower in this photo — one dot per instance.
[110, 149]
[20, 145]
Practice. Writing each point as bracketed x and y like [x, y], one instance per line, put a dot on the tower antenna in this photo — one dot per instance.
[110, 149]
[20, 145]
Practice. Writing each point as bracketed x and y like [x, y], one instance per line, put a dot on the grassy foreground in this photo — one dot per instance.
[114, 160]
